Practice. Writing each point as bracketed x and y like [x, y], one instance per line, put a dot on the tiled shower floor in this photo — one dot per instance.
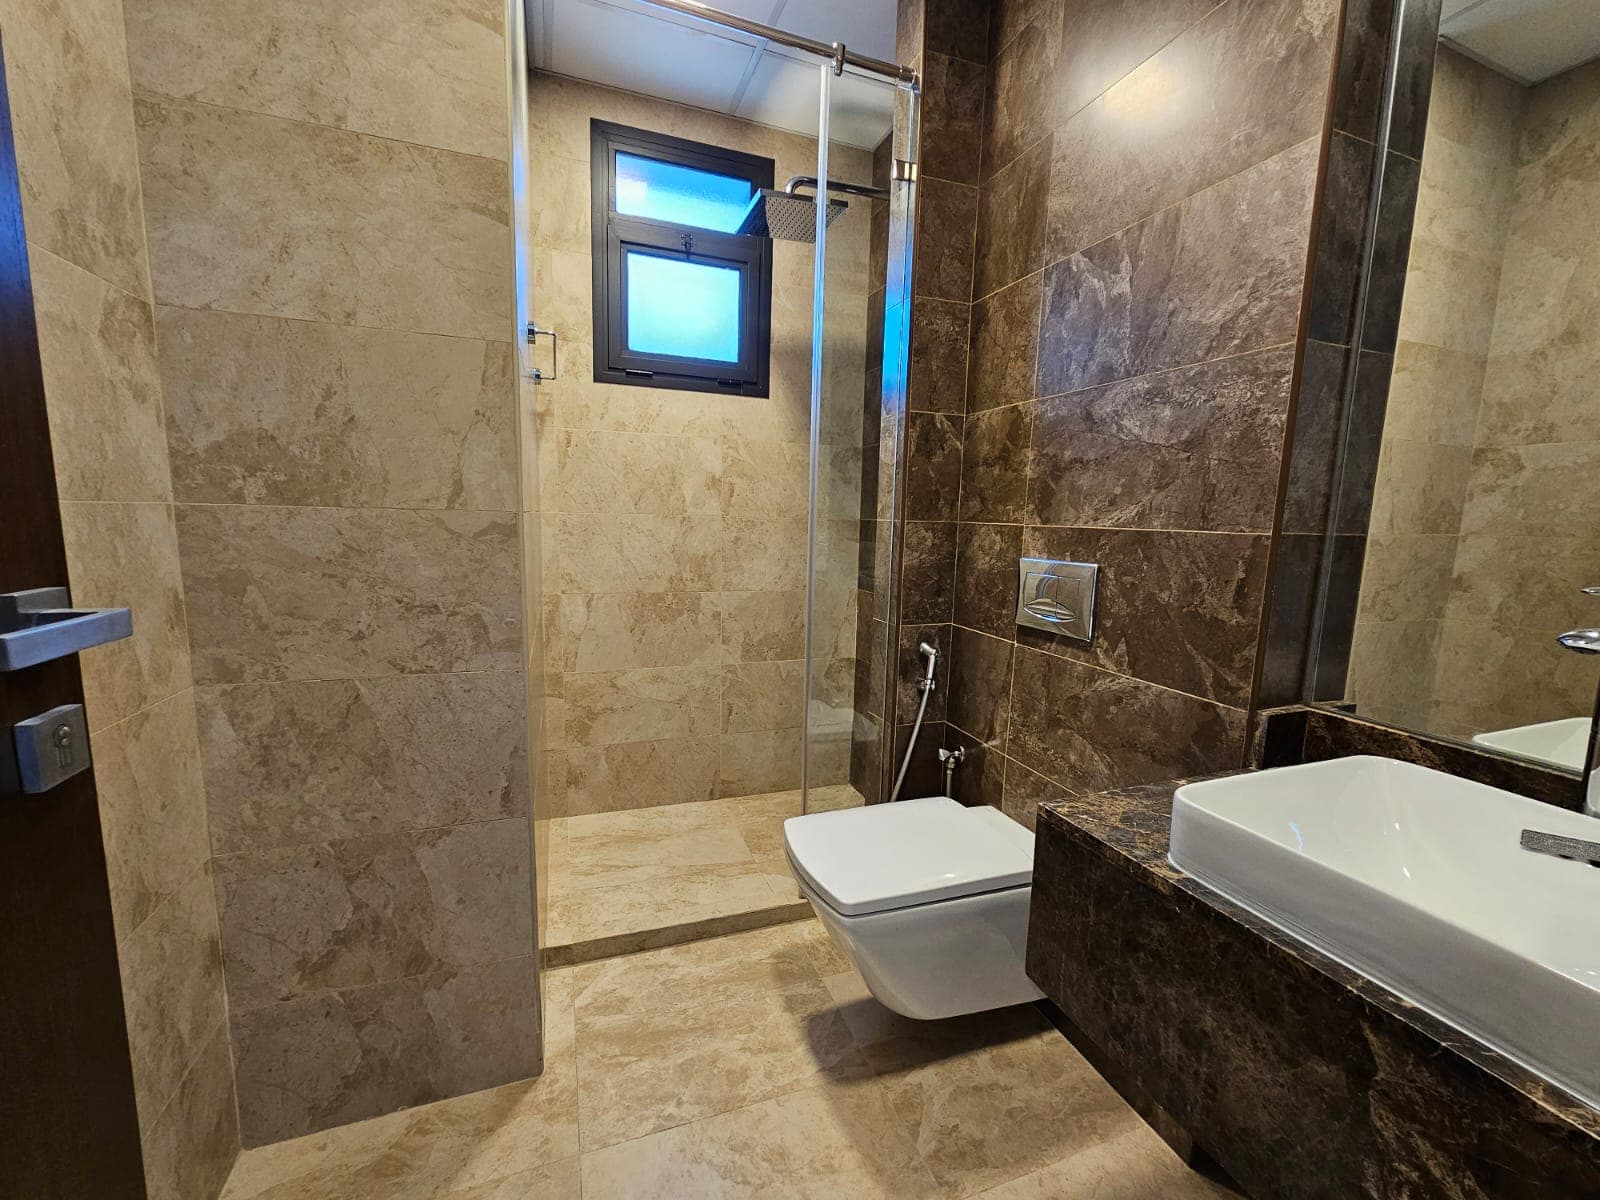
[651, 877]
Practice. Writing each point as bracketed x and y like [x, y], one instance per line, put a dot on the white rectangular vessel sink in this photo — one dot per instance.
[1563, 743]
[1418, 880]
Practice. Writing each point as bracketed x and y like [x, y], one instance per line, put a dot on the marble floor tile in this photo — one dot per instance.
[457, 1147]
[819, 1144]
[754, 1065]
[627, 878]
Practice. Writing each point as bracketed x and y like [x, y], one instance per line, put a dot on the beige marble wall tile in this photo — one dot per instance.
[1406, 576]
[624, 631]
[1539, 381]
[467, 1141]
[1449, 298]
[1422, 488]
[762, 761]
[1537, 491]
[762, 626]
[79, 167]
[1513, 677]
[763, 554]
[603, 708]
[288, 763]
[152, 807]
[1513, 580]
[374, 67]
[636, 775]
[192, 1144]
[1473, 105]
[336, 1057]
[260, 215]
[763, 696]
[1464, 198]
[1392, 666]
[767, 479]
[97, 345]
[268, 411]
[1434, 395]
[613, 552]
[126, 555]
[638, 473]
[307, 593]
[172, 991]
[330, 915]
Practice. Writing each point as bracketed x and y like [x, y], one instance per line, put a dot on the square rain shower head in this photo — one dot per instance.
[785, 216]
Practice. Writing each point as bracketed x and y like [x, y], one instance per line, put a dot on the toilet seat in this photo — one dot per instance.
[929, 900]
[891, 856]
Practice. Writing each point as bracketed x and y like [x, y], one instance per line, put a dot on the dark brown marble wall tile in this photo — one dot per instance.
[1217, 275]
[925, 776]
[1341, 241]
[979, 777]
[1318, 425]
[1025, 791]
[911, 666]
[933, 466]
[1391, 252]
[979, 680]
[1020, 82]
[866, 757]
[1092, 730]
[1338, 617]
[952, 117]
[1011, 221]
[1262, 68]
[986, 577]
[1194, 448]
[959, 28]
[994, 465]
[1179, 609]
[947, 215]
[939, 338]
[1107, 39]
[1291, 602]
[338, 1057]
[1005, 343]
[1360, 83]
[871, 641]
[928, 568]
[1008, 18]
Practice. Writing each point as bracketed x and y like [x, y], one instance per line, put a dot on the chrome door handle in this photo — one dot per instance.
[533, 334]
[36, 626]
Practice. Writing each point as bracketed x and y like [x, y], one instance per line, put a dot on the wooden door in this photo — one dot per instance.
[68, 1126]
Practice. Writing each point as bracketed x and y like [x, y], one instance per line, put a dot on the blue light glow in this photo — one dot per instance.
[665, 191]
[683, 309]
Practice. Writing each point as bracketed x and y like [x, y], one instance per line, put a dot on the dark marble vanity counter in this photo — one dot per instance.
[1299, 1075]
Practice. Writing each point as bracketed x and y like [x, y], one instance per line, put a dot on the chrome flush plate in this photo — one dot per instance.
[1057, 597]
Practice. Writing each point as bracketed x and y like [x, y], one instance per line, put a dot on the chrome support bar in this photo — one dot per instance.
[834, 52]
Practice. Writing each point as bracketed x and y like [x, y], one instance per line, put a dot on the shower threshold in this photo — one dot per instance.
[622, 882]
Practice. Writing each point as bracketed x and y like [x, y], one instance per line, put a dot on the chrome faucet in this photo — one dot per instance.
[1587, 641]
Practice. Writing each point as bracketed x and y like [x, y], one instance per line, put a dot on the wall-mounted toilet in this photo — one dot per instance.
[927, 898]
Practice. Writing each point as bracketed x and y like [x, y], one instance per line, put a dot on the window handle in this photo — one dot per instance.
[535, 333]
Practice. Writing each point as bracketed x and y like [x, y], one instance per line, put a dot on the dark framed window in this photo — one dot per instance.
[681, 300]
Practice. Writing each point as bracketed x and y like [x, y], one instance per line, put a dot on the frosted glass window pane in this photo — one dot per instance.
[663, 191]
[686, 309]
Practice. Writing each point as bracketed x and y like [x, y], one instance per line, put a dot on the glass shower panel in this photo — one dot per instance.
[856, 431]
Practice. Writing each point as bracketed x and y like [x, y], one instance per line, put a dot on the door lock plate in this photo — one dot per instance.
[52, 747]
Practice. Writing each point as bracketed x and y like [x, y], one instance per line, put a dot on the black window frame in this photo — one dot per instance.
[615, 234]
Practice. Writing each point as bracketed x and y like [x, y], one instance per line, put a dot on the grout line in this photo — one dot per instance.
[166, 101]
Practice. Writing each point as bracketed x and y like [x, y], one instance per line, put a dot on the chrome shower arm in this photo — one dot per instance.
[792, 188]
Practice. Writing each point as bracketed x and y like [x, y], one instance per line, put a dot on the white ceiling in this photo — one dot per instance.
[1529, 40]
[630, 44]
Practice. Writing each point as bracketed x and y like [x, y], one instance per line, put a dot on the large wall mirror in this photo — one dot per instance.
[1465, 524]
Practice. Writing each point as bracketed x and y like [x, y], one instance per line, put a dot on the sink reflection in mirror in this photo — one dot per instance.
[1466, 502]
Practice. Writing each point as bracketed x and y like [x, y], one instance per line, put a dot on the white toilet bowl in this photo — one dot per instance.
[928, 899]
